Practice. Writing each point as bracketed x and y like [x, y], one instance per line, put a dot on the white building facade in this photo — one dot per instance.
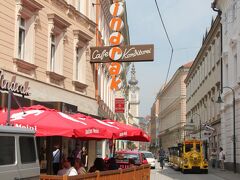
[230, 20]
[203, 85]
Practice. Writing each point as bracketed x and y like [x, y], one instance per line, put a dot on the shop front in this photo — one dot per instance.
[30, 92]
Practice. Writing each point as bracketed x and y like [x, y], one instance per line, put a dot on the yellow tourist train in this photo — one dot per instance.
[188, 157]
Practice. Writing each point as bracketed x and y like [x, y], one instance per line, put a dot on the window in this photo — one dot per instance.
[234, 11]
[198, 147]
[53, 50]
[79, 5]
[148, 155]
[219, 53]
[57, 28]
[213, 56]
[57, 31]
[188, 147]
[21, 39]
[79, 64]
[226, 22]
[27, 149]
[206, 66]
[226, 75]
[81, 55]
[27, 22]
[7, 150]
[99, 81]
[124, 157]
[235, 68]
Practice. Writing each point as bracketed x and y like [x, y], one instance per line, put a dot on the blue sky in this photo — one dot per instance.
[186, 22]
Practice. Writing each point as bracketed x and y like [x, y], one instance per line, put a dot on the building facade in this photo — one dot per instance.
[45, 45]
[172, 113]
[203, 85]
[230, 15]
[144, 123]
[154, 128]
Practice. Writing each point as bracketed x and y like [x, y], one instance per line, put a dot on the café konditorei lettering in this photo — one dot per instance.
[135, 53]
[14, 86]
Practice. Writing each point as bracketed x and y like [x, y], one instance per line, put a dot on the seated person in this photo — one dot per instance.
[112, 165]
[67, 168]
[131, 162]
[79, 166]
[99, 165]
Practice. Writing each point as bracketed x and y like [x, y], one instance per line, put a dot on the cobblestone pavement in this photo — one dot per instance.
[167, 173]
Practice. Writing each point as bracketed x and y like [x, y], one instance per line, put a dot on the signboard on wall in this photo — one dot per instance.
[119, 105]
[13, 85]
[135, 53]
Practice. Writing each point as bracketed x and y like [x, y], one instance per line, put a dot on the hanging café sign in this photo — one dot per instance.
[135, 53]
[116, 53]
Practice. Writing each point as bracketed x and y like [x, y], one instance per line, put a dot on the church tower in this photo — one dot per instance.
[133, 94]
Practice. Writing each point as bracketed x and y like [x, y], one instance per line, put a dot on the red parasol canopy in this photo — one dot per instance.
[110, 130]
[130, 132]
[115, 130]
[50, 122]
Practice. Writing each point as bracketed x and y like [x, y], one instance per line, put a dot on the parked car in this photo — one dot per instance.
[150, 158]
[18, 154]
[122, 158]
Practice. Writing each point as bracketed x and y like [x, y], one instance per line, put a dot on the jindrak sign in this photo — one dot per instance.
[14, 86]
[116, 52]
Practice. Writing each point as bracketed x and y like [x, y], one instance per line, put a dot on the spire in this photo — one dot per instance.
[133, 81]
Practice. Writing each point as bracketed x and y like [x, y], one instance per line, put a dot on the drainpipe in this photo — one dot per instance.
[213, 6]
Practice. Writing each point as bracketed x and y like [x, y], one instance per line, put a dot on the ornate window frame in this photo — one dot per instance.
[81, 40]
[57, 27]
[27, 10]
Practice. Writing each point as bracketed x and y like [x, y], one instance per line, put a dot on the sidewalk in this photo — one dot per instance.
[228, 175]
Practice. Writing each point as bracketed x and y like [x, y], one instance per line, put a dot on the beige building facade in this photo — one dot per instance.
[172, 113]
[153, 126]
[45, 46]
[203, 85]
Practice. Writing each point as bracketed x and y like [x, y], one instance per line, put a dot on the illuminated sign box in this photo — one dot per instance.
[119, 105]
[134, 53]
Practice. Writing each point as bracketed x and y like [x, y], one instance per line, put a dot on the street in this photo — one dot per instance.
[168, 174]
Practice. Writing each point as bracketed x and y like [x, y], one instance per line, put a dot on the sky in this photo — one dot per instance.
[186, 22]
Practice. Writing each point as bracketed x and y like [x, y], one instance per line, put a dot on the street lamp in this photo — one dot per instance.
[219, 100]
[200, 122]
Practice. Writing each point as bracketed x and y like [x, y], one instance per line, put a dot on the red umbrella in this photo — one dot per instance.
[117, 129]
[50, 122]
[130, 132]
[108, 129]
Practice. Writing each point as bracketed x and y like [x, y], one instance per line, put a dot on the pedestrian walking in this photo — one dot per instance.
[214, 158]
[161, 157]
[221, 158]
